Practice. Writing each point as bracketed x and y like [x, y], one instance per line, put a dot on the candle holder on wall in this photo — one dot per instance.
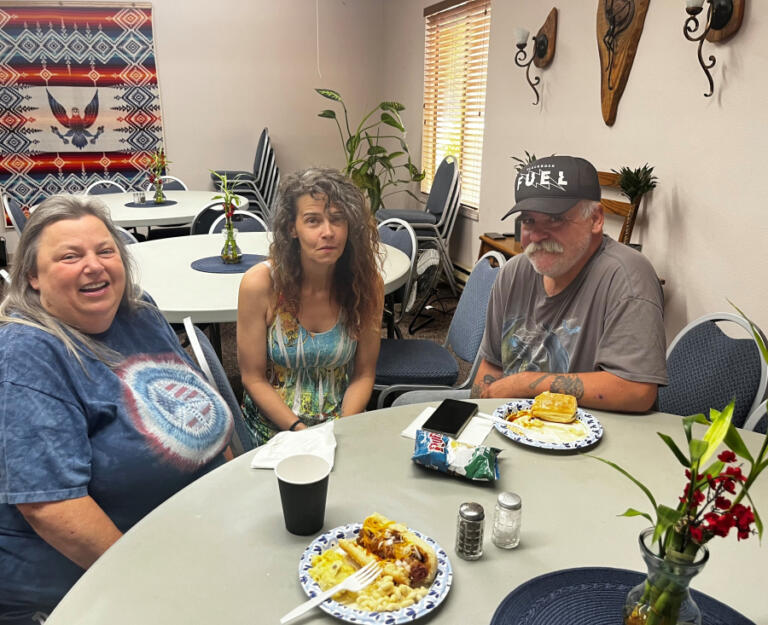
[542, 52]
[723, 20]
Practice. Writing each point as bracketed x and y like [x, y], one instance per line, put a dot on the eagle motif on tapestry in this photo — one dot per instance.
[77, 127]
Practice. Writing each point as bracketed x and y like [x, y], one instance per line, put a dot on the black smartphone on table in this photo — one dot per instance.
[450, 417]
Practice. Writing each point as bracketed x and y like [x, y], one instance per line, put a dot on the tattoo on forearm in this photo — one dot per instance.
[481, 390]
[538, 381]
[569, 385]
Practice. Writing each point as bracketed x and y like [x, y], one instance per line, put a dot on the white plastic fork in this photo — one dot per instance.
[354, 583]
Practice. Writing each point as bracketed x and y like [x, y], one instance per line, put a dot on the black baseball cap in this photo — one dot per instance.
[554, 184]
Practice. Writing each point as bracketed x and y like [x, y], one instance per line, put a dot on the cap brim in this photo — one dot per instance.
[548, 205]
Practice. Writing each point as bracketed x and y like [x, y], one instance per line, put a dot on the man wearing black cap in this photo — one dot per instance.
[578, 313]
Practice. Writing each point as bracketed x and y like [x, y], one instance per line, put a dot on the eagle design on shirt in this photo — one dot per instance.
[77, 127]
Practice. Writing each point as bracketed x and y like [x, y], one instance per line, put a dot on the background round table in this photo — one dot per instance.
[218, 552]
[188, 205]
[165, 272]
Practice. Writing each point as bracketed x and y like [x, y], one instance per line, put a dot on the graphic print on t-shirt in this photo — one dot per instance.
[175, 409]
[537, 347]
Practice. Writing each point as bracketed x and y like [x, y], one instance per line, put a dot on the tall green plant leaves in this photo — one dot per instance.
[330, 94]
[369, 162]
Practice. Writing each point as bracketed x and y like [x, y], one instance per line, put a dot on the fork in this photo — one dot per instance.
[354, 583]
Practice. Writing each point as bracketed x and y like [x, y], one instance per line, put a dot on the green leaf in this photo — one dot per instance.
[758, 520]
[391, 121]
[689, 421]
[377, 149]
[328, 114]
[352, 144]
[394, 155]
[716, 432]
[637, 482]
[392, 106]
[735, 443]
[632, 512]
[330, 94]
[667, 517]
[697, 448]
[675, 449]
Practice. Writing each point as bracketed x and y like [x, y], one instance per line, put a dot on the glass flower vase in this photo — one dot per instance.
[230, 253]
[664, 597]
[159, 195]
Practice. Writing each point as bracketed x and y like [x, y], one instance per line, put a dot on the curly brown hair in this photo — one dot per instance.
[356, 271]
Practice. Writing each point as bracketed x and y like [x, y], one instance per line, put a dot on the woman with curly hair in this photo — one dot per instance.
[309, 319]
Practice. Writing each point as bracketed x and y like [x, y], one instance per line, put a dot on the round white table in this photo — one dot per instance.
[188, 205]
[218, 552]
[165, 272]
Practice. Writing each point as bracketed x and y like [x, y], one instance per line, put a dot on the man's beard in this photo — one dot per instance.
[540, 255]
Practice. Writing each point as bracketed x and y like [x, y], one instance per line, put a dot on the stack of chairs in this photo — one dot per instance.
[260, 185]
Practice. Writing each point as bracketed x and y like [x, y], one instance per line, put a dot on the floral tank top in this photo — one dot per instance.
[310, 372]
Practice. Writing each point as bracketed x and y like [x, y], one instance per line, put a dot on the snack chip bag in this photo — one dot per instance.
[446, 455]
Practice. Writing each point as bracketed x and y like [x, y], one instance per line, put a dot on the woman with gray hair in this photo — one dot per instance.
[102, 415]
[309, 320]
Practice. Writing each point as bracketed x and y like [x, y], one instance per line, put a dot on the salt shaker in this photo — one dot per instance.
[506, 521]
[469, 531]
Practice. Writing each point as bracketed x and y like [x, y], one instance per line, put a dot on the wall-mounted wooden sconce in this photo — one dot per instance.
[543, 49]
[723, 20]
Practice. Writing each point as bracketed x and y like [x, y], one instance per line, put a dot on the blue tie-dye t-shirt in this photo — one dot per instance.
[129, 436]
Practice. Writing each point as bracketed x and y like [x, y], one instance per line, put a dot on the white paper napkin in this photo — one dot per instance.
[318, 440]
[474, 434]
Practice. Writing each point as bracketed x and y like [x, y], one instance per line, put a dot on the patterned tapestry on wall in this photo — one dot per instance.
[79, 100]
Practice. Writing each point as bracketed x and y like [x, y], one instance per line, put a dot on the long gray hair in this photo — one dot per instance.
[22, 303]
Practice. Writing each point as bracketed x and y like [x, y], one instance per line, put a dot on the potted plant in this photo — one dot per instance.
[230, 253]
[715, 500]
[635, 183]
[157, 169]
[369, 161]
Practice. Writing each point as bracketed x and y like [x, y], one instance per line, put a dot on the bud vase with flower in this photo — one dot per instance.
[674, 549]
[157, 169]
[230, 253]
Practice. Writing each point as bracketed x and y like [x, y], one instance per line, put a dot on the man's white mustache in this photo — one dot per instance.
[553, 247]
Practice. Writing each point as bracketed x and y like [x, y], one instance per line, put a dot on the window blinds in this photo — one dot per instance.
[455, 69]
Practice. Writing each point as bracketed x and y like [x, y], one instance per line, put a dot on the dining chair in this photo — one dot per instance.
[15, 213]
[435, 223]
[170, 183]
[260, 185]
[399, 234]
[420, 364]
[126, 236]
[214, 371]
[242, 220]
[204, 219]
[102, 187]
[259, 164]
[5, 276]
[707, 368]
[757, 421]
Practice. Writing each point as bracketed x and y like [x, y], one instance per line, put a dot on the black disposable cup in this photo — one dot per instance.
[303, 482]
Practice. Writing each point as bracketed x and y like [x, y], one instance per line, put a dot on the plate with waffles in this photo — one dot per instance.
[549, 421]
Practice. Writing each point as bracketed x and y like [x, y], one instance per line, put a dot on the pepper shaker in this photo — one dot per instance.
[469, 531]
[506, 521]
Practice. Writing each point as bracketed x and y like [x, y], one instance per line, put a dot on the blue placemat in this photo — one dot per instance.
[150, 203]
[214, 264]
[590, 596]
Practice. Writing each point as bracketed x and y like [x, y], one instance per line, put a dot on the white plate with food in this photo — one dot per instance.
[401, 594]
[522, 427]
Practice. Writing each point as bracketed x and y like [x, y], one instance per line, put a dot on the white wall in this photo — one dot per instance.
[705, 227]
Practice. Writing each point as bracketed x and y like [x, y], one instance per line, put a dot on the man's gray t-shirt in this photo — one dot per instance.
[608, 319]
